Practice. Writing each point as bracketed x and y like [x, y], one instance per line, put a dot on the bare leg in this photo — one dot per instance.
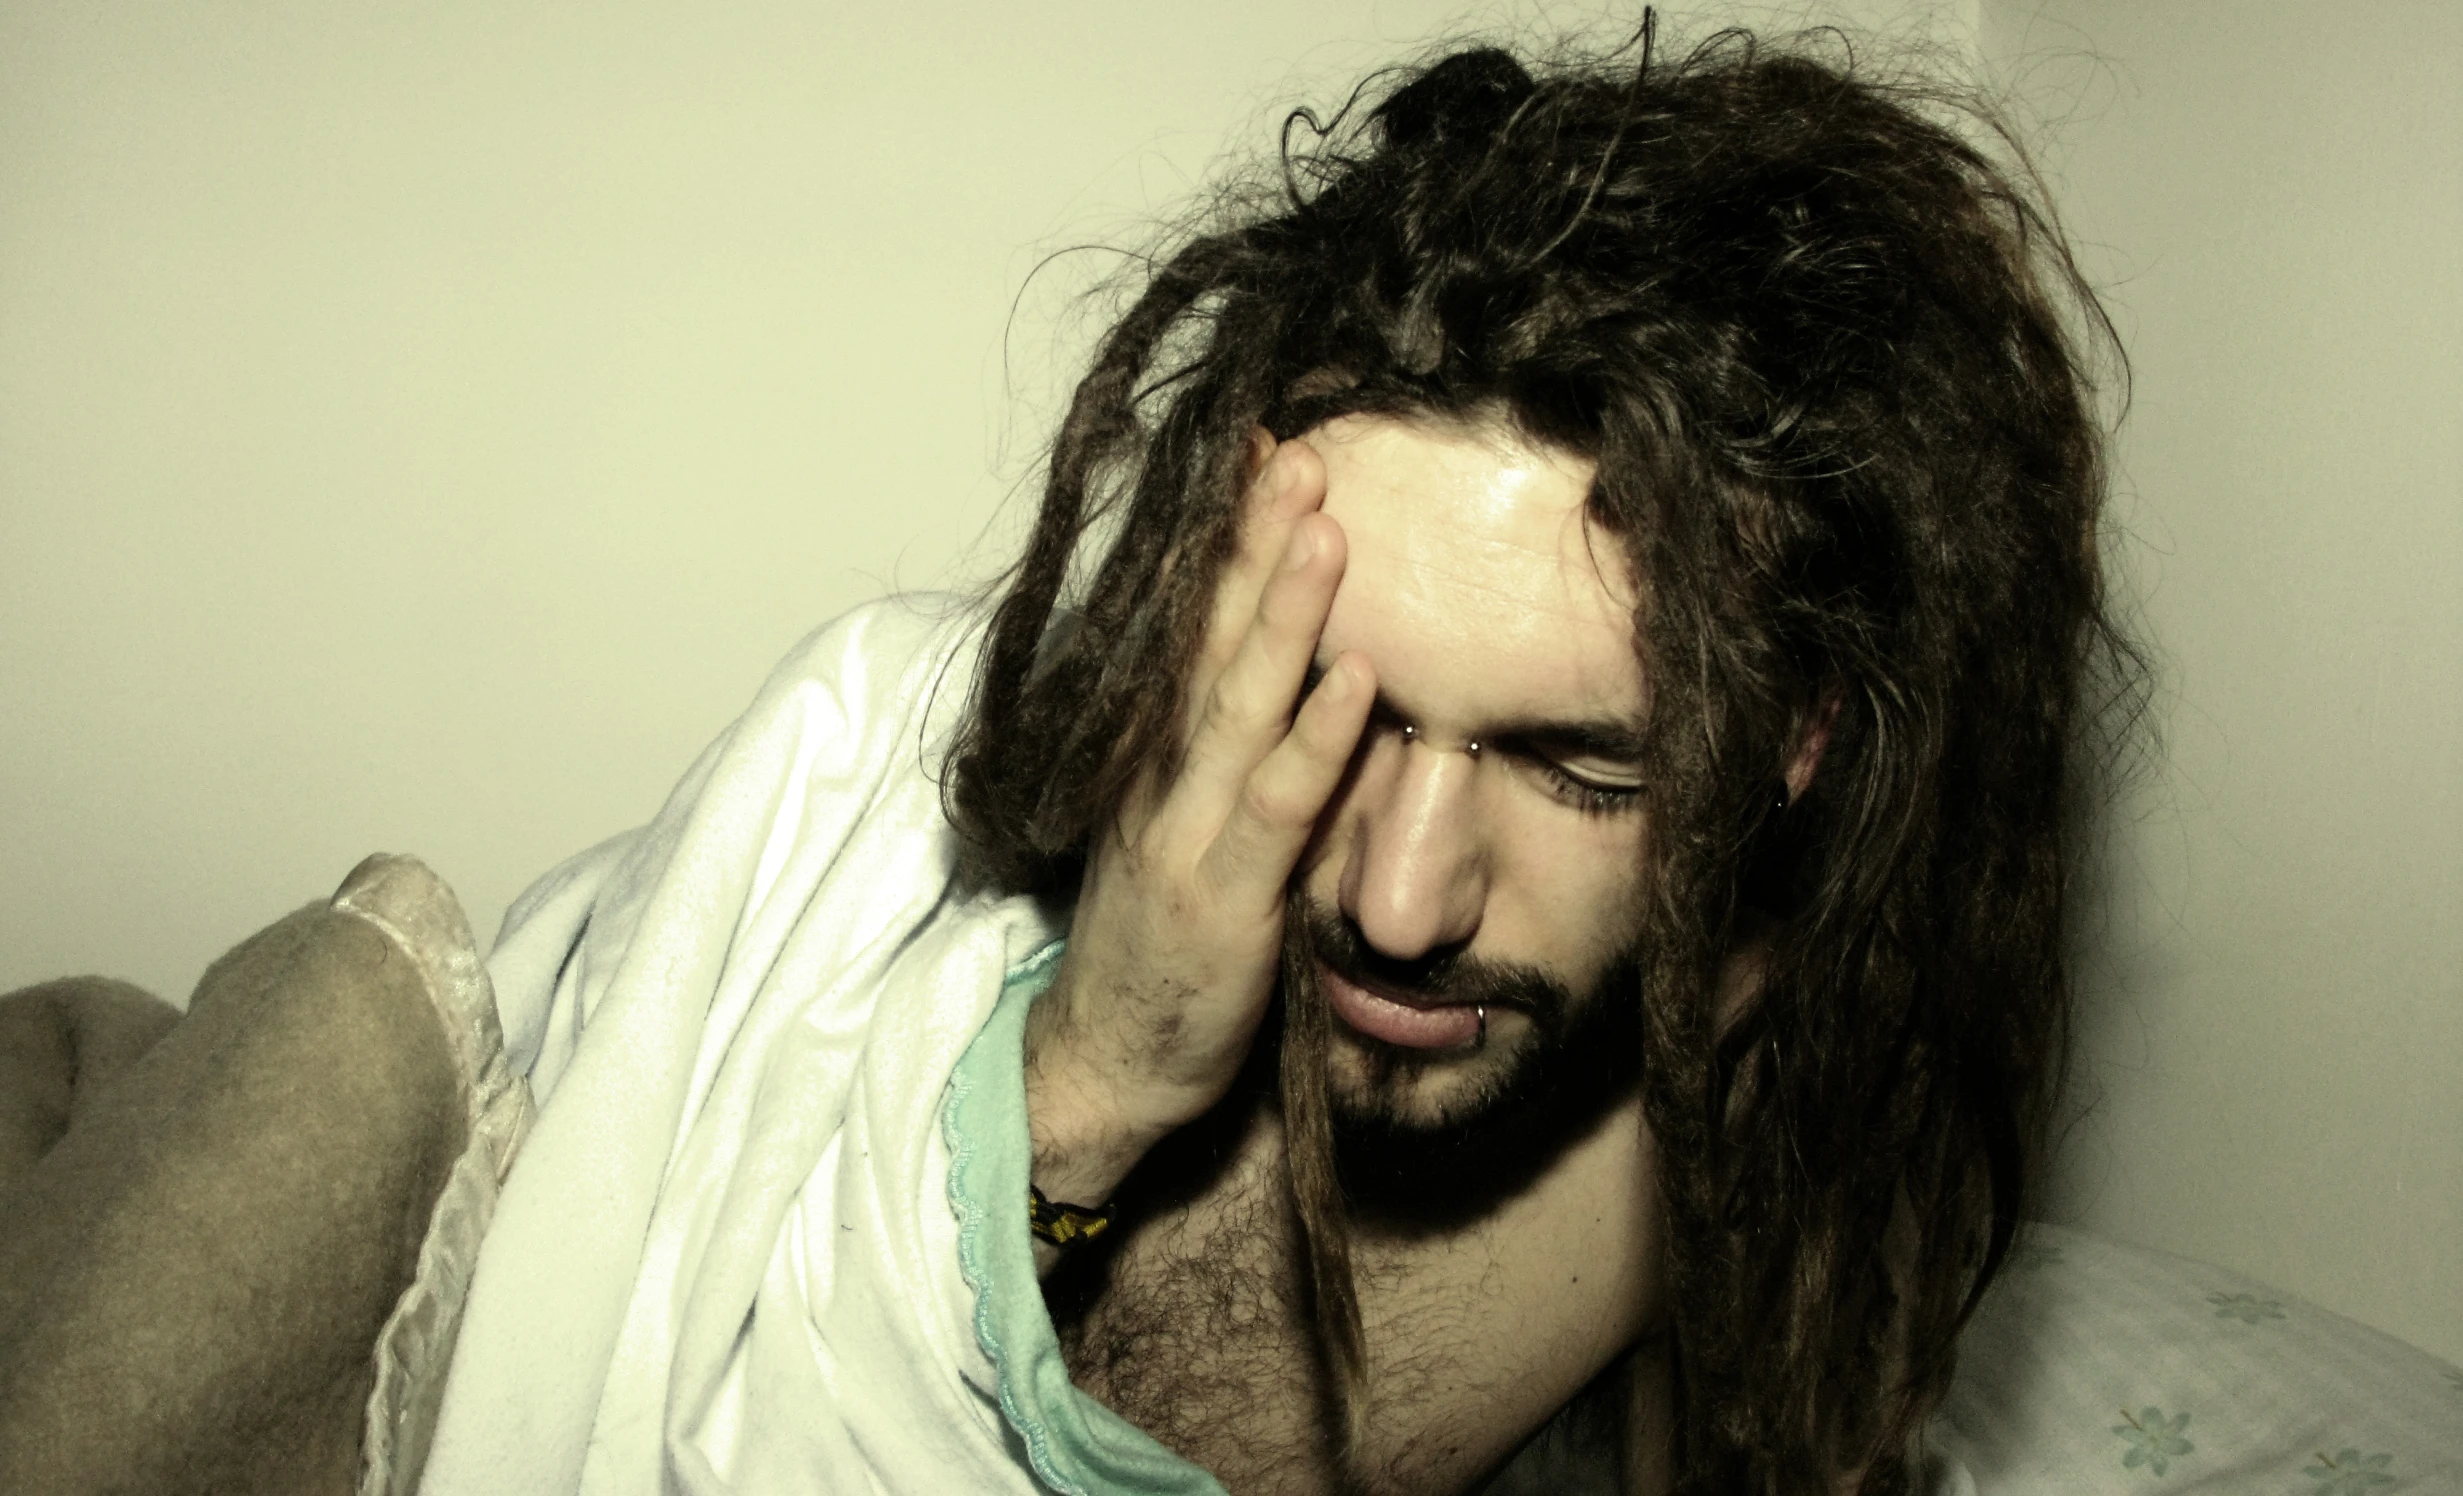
[191, 1280]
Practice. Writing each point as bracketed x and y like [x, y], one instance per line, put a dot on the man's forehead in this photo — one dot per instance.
[1475, 579]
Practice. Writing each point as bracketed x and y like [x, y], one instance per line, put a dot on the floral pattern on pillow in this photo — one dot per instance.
[2349, 1473]
[2287, 1397]
[2248, 1308]
[2153, 1442]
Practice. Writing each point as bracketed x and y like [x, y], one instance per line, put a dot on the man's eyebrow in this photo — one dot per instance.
[1602, 738]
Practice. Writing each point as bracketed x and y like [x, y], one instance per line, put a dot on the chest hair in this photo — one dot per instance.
[1195, 1325]
[1194, 1328]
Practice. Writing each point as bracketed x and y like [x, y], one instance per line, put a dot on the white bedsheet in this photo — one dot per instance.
[738, 1021]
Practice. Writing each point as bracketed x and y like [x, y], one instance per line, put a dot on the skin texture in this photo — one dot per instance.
[1442, 585]
[1478, 611]
[1198, 1330]
[1500, 627]
[1178, 925]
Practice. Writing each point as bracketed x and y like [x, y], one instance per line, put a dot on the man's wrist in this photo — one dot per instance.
[1091, 1112]
[1082, 1148]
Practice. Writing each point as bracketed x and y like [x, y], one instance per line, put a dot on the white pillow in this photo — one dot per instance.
[2093, 1367]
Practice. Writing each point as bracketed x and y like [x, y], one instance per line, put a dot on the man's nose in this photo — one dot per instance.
[1415, 878]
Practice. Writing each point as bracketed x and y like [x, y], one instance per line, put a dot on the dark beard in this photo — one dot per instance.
[1583, 1056]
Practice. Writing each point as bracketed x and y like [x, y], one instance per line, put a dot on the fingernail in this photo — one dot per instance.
[1296, 555]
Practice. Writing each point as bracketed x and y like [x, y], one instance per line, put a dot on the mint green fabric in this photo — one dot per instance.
[1076, 1444]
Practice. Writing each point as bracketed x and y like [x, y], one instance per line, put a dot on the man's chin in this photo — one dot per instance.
[1437, 1118]
[1429, 1092]
[1428, 1139]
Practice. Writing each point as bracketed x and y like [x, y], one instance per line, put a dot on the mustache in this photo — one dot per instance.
[1450, 976]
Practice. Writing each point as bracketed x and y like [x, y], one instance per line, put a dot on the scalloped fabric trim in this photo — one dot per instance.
[1075, 1444]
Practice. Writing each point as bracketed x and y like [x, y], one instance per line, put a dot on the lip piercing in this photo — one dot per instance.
[1481, 1040]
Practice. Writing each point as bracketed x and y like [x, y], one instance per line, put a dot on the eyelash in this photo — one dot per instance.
[1584, 796]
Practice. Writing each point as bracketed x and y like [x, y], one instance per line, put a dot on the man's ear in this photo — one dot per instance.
[1812, 737]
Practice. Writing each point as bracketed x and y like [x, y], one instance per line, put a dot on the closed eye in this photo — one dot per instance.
[1582, 792]
[1541, 749]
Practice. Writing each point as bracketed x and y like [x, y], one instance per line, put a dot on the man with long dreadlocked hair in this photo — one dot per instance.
[1590, 648]
[1543, 693]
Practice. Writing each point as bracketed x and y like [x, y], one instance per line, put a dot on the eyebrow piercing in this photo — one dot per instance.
[1411, 734]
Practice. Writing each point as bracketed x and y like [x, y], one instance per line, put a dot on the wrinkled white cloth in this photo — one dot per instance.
[725, 1259]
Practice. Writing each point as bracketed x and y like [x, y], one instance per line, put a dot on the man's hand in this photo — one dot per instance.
[1178, 932]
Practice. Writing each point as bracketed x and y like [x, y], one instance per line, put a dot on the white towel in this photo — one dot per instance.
[726, 1258]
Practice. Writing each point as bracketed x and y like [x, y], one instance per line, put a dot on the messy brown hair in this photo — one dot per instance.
[1835, 368]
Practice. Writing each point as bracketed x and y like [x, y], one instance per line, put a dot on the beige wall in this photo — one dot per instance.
[420, 428]
[2272, 1040]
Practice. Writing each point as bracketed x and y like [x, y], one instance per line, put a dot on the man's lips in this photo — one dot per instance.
[1410, 1025]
